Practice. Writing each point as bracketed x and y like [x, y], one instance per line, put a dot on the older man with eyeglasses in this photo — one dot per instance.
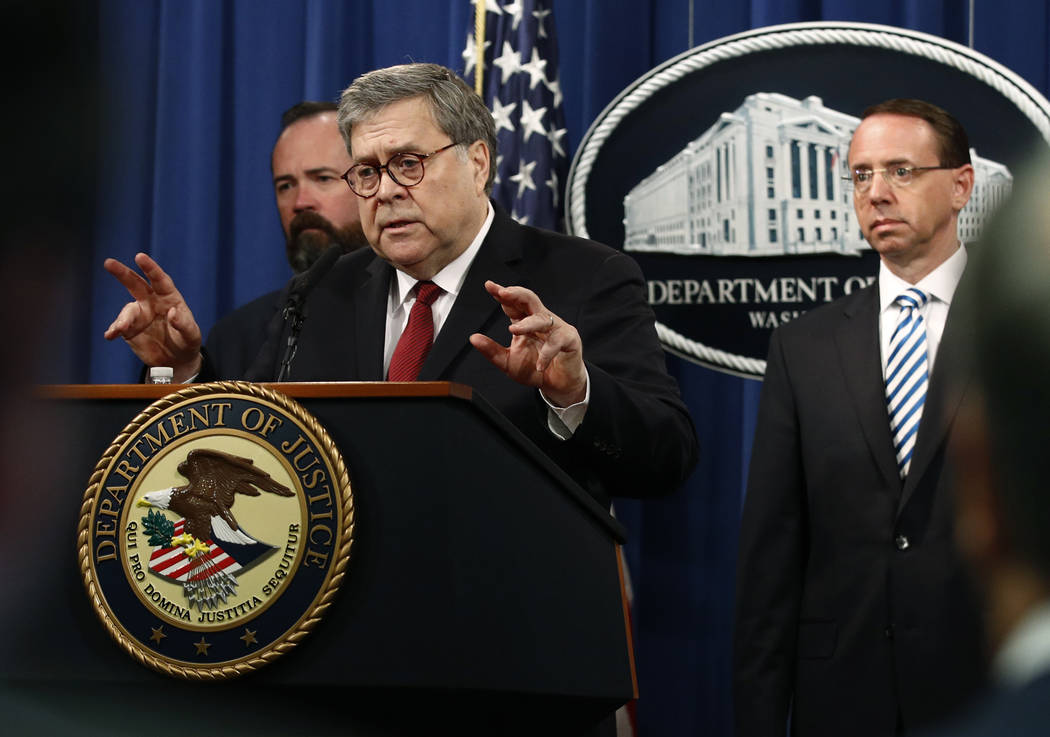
[854, 615]
[449, 280]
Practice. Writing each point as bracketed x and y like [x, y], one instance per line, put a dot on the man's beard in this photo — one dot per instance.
[310, 235]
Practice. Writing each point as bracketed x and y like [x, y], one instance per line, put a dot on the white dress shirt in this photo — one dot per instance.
[562, 421]
[403, 295]
[939, 284]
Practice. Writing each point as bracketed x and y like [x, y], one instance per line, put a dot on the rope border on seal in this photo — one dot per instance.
[1011, 86]
[334, 577]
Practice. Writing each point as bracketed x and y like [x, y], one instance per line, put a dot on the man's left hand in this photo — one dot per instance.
[545, 351]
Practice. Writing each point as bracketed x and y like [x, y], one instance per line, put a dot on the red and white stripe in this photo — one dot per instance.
[173, 563]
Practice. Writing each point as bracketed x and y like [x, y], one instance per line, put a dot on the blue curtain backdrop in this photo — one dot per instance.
[192, 92]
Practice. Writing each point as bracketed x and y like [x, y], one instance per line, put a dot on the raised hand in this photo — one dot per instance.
[544, 351]
[158, 325]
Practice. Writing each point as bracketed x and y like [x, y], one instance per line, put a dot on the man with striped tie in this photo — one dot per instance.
[853, 612]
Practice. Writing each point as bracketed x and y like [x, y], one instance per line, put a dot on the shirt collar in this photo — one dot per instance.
[450, 278]
[939, 284]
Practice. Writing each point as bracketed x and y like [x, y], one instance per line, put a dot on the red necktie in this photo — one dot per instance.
[414, 344]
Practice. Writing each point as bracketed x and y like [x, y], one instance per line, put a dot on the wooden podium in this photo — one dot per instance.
[483, 596]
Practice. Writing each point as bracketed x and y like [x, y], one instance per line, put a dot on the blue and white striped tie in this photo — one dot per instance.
[907, 374]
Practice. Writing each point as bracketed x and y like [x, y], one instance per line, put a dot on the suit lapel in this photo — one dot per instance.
[950, 375]
[474, 310]
[857, 338]
[370, 301]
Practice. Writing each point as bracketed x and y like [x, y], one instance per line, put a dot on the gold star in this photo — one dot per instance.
[202, 646]
[249, 637]
[158, 634]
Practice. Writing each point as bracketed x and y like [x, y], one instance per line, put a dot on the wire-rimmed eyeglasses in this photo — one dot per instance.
[405, 168]
[895, 176]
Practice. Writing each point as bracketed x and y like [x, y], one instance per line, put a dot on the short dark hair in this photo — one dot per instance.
[305, 109]
[457, 109]
[952, 140]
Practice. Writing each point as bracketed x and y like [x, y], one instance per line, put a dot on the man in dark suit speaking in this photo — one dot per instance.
[583, 375]
[853, 611]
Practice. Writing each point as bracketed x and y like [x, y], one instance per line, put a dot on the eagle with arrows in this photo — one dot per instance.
[205, 549]
[215, 479]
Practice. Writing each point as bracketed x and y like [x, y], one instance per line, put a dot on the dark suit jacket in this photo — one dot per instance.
[852, 604]
[637, 438]
[252, 320]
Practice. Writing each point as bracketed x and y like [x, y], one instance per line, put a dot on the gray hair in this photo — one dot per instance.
[457, 110]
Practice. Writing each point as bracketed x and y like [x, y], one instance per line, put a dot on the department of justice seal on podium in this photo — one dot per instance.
[215, 530]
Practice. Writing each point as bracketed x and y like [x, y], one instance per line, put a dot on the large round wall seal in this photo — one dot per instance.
[722, 171]
[216, 530]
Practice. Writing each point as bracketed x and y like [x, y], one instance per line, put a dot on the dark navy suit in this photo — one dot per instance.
[853, 610]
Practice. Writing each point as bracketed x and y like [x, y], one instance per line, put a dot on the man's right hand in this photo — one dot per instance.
[158, 325]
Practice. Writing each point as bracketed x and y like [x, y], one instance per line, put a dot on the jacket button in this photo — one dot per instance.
[888, 632]
[901, 542]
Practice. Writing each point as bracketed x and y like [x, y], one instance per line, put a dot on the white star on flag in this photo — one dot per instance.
[531, 121]
[555, 88]
[470, 54]
[509, 62]
[514, 10]
[524, 176]
[501, 115]
[540, 16]
[555, 136]
[535, 69]
[525, 98]
[499, 167]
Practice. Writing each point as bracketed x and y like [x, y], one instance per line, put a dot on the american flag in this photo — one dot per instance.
[520, 85]
[171, 561]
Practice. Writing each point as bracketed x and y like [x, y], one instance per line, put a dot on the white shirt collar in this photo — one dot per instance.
[940, 283]
[450, 278]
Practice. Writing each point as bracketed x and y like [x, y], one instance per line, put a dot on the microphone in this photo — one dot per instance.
[293, 314]
[304, 283]
[295, 306]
